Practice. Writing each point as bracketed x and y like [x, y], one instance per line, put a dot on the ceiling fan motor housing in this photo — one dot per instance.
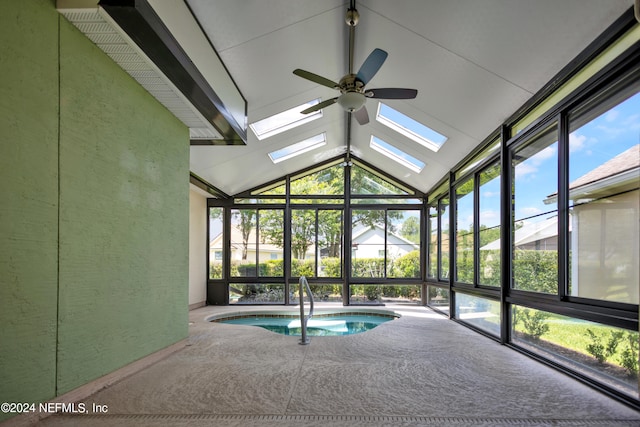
[350, 83]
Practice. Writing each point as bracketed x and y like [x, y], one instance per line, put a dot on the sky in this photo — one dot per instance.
[590, 146]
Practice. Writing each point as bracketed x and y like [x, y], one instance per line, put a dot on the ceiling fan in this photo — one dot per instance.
[353, 93]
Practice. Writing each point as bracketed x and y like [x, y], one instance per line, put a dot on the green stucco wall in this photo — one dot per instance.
[94, 226]
[29, 200]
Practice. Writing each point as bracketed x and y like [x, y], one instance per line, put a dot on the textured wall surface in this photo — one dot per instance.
[29, 193]
[94, 226]
[197, 246]
[124, 217]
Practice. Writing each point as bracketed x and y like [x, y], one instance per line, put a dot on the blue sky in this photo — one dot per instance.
[590, 145]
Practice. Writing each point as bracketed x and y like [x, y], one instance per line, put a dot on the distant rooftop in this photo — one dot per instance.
[623, 162]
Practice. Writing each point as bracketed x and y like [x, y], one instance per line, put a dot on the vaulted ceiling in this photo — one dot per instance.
[473, 62]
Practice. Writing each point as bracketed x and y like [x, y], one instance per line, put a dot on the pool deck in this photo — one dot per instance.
[418, 370]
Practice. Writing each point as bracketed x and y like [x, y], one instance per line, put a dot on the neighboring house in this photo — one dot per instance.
[541, 235]
[605, 251]
[368, 242]
[268, 251]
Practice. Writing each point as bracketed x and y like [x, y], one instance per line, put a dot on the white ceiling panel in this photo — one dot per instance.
[473, 62]
[502, 36]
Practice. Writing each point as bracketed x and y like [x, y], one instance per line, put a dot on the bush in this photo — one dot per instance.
[368, 267]
[406, 266]
[598, 349]
[372, 292]
[331, 267]
[303, 267]
[629, 356]
[215, 270]
[536, 271]
[534, 321]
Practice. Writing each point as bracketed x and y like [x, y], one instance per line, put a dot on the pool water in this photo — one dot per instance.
[316, 326]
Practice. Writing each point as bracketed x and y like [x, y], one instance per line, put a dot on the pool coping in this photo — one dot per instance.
[248, 312]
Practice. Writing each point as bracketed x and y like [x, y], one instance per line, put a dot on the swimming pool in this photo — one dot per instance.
[321, 324]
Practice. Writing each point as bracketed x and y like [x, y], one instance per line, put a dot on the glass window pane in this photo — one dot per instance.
[275, 189]
[355, 200]
[410, 128]
[489, 230]
[464, 232]
[379, 294]
[438, 298]
[394, 153]
[535, 220]
[432, 266]
[298, 148]
[330, 243]
[364, 181]
[254, 293]
[328, 181]
[403, 243]
[216, 243]
[285, 120]
[303, 242]
[492, 149]
[271, 242]
[482, 313]
[604, 353]
[604, 200]
[443, 258]
[367, 243]
[324, 293]
[243, 243]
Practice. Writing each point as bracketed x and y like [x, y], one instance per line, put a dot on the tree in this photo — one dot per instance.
[410, 229]
[303, 231]
[330, 231]
[246, 222]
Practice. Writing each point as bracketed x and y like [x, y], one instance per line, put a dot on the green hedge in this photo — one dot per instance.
[533, 270]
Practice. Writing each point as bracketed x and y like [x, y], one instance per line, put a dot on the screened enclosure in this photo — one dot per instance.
[533, 239]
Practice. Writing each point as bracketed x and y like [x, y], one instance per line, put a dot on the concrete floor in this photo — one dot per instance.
[418, 370]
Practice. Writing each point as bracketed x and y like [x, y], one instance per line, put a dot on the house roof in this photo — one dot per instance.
[362, 231]
[236, 241]
[621, 172]
[529, 233]
[623, 162]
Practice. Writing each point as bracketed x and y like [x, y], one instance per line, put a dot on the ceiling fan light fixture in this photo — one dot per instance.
[351, 101]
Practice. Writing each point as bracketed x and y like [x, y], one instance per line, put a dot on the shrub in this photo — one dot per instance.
[368, 267]
[331, 267]
[536, 271]
[629, 356]
[595, 347]
[534, 322]
[372, 292]
[407, 265]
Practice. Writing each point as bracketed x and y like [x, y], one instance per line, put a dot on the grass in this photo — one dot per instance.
[572, 334]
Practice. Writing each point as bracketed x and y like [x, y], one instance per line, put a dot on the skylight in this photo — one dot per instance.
[298, 148]
[410, 128]
[286, 120]
[396, 155]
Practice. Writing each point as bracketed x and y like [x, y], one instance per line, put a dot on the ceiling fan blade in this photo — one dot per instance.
[319, 106]
[391, 93]
[362, 116]
[371, 65]
[315, 78]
